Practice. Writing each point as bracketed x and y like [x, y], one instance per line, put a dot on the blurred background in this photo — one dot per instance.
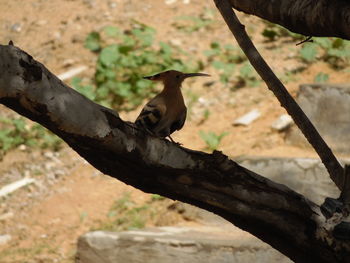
[102, 49]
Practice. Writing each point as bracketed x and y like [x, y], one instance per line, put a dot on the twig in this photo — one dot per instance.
[308, 39]
[345, 194]
[72, 72]
[334, 168]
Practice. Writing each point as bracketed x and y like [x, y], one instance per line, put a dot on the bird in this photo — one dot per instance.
[166, 112]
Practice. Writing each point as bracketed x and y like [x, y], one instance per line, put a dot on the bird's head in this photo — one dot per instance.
[173, 77]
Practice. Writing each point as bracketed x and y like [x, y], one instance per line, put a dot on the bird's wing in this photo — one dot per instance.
[151, 114]
[179, 123]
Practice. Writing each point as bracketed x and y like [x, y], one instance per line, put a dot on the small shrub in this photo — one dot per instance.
[211, 139]
[123, 58]
[231, 63]
[16, 131]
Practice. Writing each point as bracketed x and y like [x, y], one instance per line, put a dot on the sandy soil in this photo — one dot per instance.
[70, 197]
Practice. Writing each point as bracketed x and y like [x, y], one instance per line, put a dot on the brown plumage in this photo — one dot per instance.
[166, 112]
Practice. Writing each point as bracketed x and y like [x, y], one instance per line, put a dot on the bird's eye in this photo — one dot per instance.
[177, 76]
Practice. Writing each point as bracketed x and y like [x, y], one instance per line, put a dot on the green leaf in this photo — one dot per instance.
[125, 49]
[215, 45]
[75, 82]
[88, 91]
[336, 53]
[102, 91]
[143, 84]
[92, 41]
[246, 70]
[218, 64]
[338, 43]
[324, 42]
[230, 47]
[112, 31]
[120, 65]
[165, 48]
[271, 34]
[19, 124]
[210, 52]
[321, 77]
[308, 52]
[109, 55]
[123, 89]
[211, 139]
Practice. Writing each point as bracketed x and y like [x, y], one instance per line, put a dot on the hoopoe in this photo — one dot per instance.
[166, 112]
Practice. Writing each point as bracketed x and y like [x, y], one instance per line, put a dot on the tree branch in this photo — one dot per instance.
[270, 211]
[334, 168]
[322, 18]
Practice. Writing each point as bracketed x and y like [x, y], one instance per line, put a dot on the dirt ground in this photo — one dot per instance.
[69, 196]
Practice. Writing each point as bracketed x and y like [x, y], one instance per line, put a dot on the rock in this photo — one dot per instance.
[17, 27]
[248, 118]
[22, 147]
[306, 176]
[282, 123]
[72, 72]
[175, 244]
[7, 189]
[4, 239]
[328, 107]
[170, 2]
[176, 42]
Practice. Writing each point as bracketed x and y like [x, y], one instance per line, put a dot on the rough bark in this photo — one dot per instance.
[308, 17]
[272, 212]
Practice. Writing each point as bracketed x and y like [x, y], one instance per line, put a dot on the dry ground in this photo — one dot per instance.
[71, 197]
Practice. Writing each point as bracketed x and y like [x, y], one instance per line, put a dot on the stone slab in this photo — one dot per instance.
[307, 176]
[175, 245]
[328, 108]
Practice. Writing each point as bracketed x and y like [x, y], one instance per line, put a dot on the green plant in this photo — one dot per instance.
[334, 51]
[308, 52]
[273, 31]
[321, 77]
[11, 133]
[232, 64]
[289, 76]
[206, 114]
[155, 197]
[247, 76]
[85, 89]
[190, 24]
[16, 131]
[123, 58]
[126, 214]
[211, 139]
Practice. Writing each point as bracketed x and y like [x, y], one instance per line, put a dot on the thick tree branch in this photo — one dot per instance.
[270, 211]
[324, 18]
[334, 168]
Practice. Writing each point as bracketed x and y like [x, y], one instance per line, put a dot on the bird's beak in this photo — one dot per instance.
[149, 77]
[188, 75]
